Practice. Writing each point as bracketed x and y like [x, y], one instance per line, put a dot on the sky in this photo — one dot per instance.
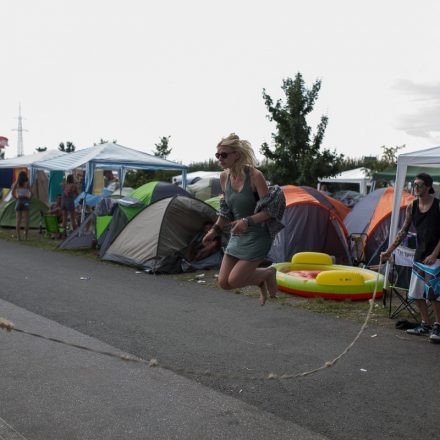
[138, 70]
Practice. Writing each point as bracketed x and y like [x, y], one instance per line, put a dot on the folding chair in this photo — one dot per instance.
[51, 224]
[399, 278]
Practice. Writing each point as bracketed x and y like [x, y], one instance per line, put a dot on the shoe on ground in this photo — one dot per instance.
[435, 335]
[421, 330]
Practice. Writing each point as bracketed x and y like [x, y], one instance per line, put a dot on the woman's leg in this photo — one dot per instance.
[247, 273]
[228, 264]
[26, 224]
[73, 220]
[18, 223]
[64, 222]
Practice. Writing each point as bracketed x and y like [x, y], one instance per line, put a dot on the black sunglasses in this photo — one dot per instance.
[419, 185]
[223, 155]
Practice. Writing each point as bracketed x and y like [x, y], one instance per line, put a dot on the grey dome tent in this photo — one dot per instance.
[143, 196]
[85, 236]
[155, 238]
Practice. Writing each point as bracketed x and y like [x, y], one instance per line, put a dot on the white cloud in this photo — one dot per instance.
[424, 120]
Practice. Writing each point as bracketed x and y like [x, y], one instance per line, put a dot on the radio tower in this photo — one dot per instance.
[19, 131]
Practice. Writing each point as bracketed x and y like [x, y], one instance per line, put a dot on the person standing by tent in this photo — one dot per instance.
[254, 214]
[424, 214]
[21, 191]
[70, 192]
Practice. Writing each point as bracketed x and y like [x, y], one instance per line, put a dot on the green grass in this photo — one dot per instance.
[353, 310]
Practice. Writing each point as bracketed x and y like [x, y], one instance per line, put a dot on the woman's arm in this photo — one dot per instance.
[14, 190]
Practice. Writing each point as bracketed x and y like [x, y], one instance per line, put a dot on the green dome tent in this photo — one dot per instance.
[8, 217]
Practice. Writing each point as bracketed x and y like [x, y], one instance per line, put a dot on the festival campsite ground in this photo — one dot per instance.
[353, 310]
[215, 351]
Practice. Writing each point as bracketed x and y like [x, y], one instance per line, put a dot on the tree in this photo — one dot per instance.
[41, 149]
[297, 156]
[68, 148]
[162, 148]
[104, 141]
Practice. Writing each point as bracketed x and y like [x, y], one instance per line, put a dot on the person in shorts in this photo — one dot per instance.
[424, 214]
[21, 191]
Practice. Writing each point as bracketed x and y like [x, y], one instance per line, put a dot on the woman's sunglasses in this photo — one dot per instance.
[223, 155]
[419, 185]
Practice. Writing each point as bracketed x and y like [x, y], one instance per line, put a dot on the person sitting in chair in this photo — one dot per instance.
[424, 214]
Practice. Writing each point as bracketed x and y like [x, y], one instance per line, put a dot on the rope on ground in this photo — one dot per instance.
[9, 327]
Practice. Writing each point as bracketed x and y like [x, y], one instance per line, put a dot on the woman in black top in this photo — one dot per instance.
[424, 214]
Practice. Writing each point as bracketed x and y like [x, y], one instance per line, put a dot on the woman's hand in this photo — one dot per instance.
[210, 236]
[430, 259]
[385, 256]
[239, 226]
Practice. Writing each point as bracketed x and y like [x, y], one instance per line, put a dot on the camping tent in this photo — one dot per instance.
[143, 196]
[358, 176]
[371, 218]
[194, 177]
[154, 238]
[205, 188]
[313, 222]
[8, 217]
[85, 236]
[109, 156]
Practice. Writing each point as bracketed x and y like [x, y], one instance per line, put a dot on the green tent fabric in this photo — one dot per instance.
[214, 202]
[8, 217]
[102, 221]
[390, 173]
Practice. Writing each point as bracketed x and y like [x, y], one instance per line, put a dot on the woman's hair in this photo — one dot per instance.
[22, 178]
[69, 178]
[246, 153]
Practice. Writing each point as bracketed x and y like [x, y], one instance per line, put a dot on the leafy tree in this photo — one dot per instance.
[297, 156]
[209, 165]
[162, 147]
[41, 149]
[139, 177]
[104, 141]
[68, 148]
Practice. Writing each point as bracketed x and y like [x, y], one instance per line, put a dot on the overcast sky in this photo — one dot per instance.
[137, 70]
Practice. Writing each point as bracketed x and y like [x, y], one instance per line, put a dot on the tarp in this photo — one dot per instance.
[313, 222]
[195, 176]
[109, 156]
[359, 176]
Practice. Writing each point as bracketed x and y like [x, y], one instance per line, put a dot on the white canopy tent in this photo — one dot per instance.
[109, 156]
[424, 158]
[29, 159]
[358, 176]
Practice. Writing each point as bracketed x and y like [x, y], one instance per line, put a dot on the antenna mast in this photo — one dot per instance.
[19, 131]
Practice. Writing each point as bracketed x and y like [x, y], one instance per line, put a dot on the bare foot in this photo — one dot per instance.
[271, 283]
[263, 293]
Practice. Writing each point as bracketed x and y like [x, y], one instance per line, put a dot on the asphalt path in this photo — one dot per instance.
[386, 387]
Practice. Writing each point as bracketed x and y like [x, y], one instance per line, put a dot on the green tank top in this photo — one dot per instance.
[242, 203]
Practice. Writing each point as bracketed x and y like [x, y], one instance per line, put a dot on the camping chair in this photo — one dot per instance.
[51, 224]
[399, 277]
